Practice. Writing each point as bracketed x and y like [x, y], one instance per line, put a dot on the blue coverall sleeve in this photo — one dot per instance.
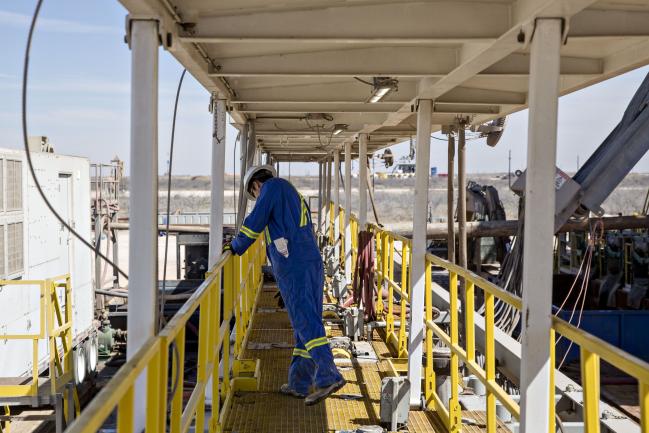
[255, 223]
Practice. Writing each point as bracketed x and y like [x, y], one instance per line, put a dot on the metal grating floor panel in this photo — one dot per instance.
[355, 405]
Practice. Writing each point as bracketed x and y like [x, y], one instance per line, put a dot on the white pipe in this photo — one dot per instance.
[336, 204]
[539, 225]
[328, 198]
[418, 283]
[320, 183]
[143, 201]
[348, 212]
[218, 182]
[362, 182]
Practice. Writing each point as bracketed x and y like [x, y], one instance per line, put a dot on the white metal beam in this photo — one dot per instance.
[539, 226]
[418, 272]
[143, 214]
[218, 181]
[348, 211]
[411, 22]
[362, 182]
[336, 205]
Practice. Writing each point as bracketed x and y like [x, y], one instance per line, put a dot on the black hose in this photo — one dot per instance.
[28, 154]
[171, 160]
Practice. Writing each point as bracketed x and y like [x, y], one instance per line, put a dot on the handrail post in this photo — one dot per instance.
[490, 360]
[429, 376]
[455, 415]
[590, 384]
[228, 291]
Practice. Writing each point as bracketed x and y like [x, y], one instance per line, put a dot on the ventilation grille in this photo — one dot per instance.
[14, 185]
[15, 244]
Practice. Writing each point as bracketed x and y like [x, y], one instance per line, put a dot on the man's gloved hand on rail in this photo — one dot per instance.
[280, 300]
[227, 246]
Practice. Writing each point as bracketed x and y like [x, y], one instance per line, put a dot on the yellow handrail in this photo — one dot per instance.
[240, 277]
[55, 323]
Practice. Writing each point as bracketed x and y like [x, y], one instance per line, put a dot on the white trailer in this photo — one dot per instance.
[34, 245]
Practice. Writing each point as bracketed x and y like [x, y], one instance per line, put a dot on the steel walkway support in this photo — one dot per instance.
[348, 212]
[539, 225]
[449, 198]
[143, 203]
[218, 180]
[320, 204]
[328, 198]
[362, 182]
[418, 275]
[337, 205]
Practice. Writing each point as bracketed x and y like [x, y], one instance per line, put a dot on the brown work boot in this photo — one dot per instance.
[287, 390]
[321, 393]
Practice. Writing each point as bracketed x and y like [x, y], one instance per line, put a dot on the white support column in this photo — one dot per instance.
[348, 212]
[143, 202]
[218, 181]
[336, 204]
[320, 184]
[362, 181]
[328, 198]
[539, 225]
[418, 274]
[449, 199]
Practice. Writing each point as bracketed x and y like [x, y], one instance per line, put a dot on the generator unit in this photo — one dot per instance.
[34, 245]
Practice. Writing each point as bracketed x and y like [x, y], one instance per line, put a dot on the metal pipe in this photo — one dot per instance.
[539, 225]
[487, 229]
[461, 219]
[450, 234]
[362, 182]
[328, 197]
[143, 202]
[348, 212]
[320, 168]
[218, 181]
[336, 204]
[418, 274]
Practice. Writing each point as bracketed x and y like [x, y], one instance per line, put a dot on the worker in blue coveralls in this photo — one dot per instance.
[282, 216]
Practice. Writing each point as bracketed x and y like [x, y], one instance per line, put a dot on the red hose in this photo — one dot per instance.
[364, 274]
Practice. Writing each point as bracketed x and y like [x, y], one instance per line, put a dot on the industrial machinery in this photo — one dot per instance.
[34, 246]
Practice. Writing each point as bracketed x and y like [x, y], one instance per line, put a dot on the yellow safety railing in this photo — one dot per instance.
[385, 264]
[450, 411]
[233, 283]
[55, 326]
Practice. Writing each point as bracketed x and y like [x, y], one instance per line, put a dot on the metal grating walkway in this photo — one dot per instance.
[267, 411]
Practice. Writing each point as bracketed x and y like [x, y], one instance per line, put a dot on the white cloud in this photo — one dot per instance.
[56, 25]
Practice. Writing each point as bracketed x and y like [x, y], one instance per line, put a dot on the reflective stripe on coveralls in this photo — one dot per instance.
[281, 212]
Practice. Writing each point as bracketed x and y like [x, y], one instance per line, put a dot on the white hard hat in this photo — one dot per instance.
[251, 172]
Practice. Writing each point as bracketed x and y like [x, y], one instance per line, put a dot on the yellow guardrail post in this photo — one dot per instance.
[455, 416]
[154, 416]
[382, 248]
[429, 372]
[228, 289]
[214, 348]
[389, 320]
[405, 265]
[178, 374]
[125, 411]
[490, 360]
[203, 343]
[236, 298]
[552, 414]
[643, 402]
[590, 385]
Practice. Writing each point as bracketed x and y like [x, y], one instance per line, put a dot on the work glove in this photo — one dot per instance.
[227, 246]
[280, 300]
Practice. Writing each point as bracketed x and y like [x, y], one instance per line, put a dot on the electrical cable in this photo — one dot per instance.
[28, 154]
[168, 212]
[364, 82]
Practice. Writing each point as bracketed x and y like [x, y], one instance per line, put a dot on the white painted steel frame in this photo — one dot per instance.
[348, 212]
[336, 204]
[418, 274]
[539, 225]
[218, 181]
[143, 202]
[362, 182]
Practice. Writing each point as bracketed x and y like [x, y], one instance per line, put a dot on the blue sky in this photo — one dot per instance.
[79, 97]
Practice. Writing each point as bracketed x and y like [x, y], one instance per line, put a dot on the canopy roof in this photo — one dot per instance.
[295, 65]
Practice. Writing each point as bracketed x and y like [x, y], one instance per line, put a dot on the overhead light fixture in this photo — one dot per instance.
[339, 128]
[382, 86]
